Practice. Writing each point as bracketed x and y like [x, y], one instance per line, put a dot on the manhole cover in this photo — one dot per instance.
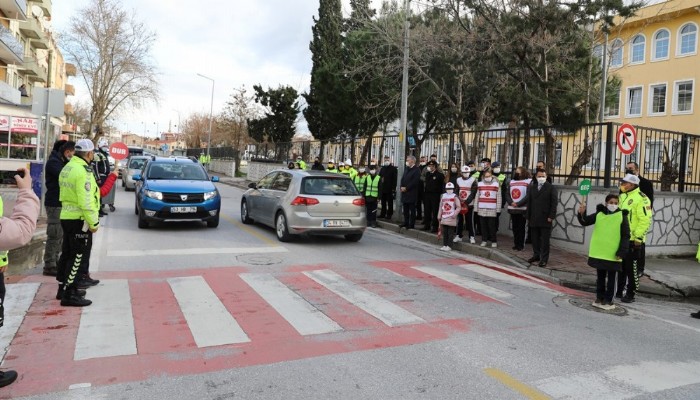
[258, 259]
[586, 305]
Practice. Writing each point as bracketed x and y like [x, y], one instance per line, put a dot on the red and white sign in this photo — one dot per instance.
[4, 123]
[118, 151]
[626, 139]
[25, 125]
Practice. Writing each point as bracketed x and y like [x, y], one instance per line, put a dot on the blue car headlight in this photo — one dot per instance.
[210, 195]
[154, 195]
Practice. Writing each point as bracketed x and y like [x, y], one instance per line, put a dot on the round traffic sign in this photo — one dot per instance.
[584, 187]
[118, 151]
[626, 139]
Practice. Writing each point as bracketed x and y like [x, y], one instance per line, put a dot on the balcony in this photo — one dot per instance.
[10, 48]
[68, 128]
[16, 9]
[71, 70]
[68, 109]
[33, 70]
[45, 6]
[9, 94]
[70, 90]
[32, 30]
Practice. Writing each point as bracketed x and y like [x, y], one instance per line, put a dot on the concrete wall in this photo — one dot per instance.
[226, 167]
[675, 230]
[257, 170]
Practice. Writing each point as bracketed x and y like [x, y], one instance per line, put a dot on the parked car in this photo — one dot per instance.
[176, 189]
[297, 202]
[133, 166]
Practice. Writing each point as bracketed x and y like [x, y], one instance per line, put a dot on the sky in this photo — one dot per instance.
[234, 42]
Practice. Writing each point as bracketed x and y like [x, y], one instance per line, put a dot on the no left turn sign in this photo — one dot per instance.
[626, 139]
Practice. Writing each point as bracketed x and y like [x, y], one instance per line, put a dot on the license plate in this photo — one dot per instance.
[183, 210]
[334, 223]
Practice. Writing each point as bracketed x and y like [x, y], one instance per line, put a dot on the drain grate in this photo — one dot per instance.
[259, 259]
[586, 305]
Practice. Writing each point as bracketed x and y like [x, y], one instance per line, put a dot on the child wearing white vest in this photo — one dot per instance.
[447, 214]
[487, 204]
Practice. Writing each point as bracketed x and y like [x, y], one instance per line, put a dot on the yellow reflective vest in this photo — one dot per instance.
[640, 213]
[79, 194]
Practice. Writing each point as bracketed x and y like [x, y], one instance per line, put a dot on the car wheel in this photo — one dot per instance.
[281, 228]
[354, 237]
[143, 224]
[245, 217]
[213, 223]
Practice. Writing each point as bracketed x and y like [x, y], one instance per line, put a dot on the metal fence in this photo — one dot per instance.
[666, 158]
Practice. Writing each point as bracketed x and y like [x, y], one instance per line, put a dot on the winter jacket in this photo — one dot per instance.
[54, 166]
[482, 209]
[602, 253]
[542, 204]
[411, 181]
[641, 213]
[18, 229]
[80, 196]
[449, 209]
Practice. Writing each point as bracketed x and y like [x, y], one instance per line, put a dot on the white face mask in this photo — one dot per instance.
[465, 174]
[488, 180]
[541, 180]
[372, 171]
[387, 163]
[612, 207]
[408, 164]
[431, 169]
[362, 170]
[496, 170]
[423, 163]
[449, 191]
[453, 169]
[482, 165]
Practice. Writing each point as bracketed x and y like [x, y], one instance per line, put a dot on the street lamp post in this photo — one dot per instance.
[211, 110]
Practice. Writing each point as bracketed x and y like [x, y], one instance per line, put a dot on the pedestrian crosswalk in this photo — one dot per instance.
[269, 316]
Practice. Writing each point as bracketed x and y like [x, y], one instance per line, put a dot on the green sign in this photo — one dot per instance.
[584, 187]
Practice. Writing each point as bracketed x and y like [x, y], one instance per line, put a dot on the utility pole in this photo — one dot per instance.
[401, 157]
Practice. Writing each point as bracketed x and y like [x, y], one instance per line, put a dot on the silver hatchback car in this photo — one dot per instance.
[134, 165]
[297, 202]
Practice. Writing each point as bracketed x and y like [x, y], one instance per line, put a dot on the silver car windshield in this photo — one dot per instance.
[136, 164]
[325, 186]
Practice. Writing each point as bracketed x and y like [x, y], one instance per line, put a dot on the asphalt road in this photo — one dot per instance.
[189, 312]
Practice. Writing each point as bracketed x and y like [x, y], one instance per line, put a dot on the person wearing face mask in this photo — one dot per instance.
[541, 165]
[360, 180]
[389, 175]
[640, 218]
[466, 215]
[317, 166]
[410, 181]
[420, 205]
[452, 175]
[371, 194]
[517, 197]
[541, 212]
[484, 165]
[646, 187]
[609, 245]
[450, 208]
[331, 167]
[434, 187]
[501, 178]
[80, 200]
[488, 202]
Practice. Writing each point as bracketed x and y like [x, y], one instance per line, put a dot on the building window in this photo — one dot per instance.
[637, 49]
[683, 97]
[616, 53]
[687, 39]
[652, 156]
[541, 153]
[612, 104]
[634, 101]
[657, 101]
[661, 45]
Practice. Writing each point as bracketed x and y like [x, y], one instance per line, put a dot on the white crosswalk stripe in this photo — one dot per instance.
[107, 326]
[380, 308]
[208, 319]
[481, 270]
[304, 317]
[466, 283]
[18, 299]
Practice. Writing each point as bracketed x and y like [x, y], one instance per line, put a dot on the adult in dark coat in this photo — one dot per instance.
[410, 181]
[389, 175]
[62, 151]
[541, 212]
[434, 187]
[317, 165]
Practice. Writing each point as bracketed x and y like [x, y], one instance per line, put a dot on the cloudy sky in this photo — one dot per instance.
[235, 42]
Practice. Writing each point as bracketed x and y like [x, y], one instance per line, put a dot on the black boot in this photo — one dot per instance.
[7, 377]
[50, 270]
[72, 299]
[59, 293]
[87, 279]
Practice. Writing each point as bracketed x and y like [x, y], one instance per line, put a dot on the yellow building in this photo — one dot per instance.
[655, 55]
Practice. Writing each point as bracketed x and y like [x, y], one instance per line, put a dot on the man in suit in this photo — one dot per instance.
[410, 181]
[389, 175]
[541, 211]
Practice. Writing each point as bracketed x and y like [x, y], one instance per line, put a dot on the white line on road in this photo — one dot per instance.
[692, 328]
[380, 308]
[195, 251]
[466, 283]
[18, 299]
[208, 319]
[107, 326]
[304, 317]
[491, 273]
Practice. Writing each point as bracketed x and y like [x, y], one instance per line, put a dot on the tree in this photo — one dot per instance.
[233, 121]
[196, 128]
[279, 121]
[111, 49]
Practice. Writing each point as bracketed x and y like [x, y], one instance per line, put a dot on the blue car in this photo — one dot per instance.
[176, 189]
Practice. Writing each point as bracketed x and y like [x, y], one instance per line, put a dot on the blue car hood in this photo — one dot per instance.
[180, 186]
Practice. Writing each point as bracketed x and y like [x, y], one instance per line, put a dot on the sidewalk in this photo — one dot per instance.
[668, 277]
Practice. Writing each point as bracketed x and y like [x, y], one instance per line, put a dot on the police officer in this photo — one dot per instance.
[80, 200]
[301, 163]
[640, 216]
[372, 195]
[331, 166]
[351, 171]
[61, 153]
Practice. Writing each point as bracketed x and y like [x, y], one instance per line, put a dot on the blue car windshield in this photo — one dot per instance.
[177, 171]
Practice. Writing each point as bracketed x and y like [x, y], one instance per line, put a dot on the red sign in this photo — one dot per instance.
[25, 125]
[626, 139]
[118, 151]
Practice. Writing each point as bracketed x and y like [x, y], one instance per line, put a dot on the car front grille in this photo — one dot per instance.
[177, 197]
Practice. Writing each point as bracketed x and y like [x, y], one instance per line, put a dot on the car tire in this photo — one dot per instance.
[213, 223]
[245, 217]
[143, 224]
[281, 228]
[353, 237]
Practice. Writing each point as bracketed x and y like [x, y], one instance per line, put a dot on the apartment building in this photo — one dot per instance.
[655, 55]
